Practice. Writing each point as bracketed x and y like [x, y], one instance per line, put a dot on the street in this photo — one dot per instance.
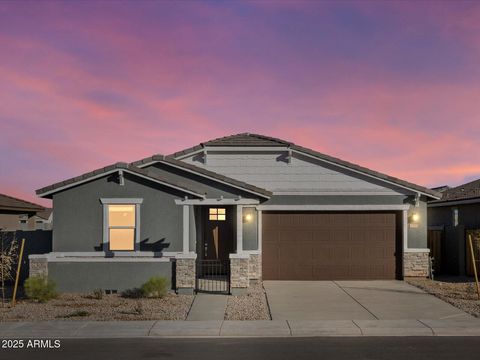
[347, 348]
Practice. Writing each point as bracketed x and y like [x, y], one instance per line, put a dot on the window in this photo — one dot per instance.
[218, 214]
[121, 227]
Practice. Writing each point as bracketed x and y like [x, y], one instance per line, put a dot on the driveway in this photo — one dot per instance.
[354, 300]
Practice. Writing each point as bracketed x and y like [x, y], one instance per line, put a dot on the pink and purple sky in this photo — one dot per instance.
[394, 86]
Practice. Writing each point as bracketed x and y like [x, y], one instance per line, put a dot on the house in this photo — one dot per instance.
[18, 214]
[239, 208]
[449, 220]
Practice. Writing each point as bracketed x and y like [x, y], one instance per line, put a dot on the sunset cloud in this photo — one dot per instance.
[391, 86]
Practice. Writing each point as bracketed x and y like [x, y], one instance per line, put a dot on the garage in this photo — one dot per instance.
[329, 246]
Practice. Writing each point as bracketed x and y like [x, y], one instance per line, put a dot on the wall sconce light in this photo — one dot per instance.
[248, 217]
[414, 218]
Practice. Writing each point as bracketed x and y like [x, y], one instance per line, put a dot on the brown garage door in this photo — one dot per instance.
[328, 246]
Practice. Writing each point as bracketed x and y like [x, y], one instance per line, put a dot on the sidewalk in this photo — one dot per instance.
[224, 328]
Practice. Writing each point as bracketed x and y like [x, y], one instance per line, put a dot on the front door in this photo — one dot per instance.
[218, 233]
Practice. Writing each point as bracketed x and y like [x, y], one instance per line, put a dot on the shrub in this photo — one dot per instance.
[134, 293]
[97, 294]
[155, 287]
[77, 313]
[40, 288]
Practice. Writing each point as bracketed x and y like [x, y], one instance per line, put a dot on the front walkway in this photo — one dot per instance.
[208, 307]
[354, 300]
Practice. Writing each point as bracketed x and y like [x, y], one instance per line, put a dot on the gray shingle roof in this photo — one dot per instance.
[106, 169]
[237, 183]
[11, 203]
[247, 139]
[466, 191]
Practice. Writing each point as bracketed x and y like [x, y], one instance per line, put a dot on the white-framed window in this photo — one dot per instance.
[121, 224]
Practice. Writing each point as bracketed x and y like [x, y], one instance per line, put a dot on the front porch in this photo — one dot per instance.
[221, 246]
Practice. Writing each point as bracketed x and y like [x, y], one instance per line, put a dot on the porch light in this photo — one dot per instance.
[248, 217]
[415, 218]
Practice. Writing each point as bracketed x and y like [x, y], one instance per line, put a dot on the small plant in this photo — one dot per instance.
[134, 293]
[97, 294]
[155, 287]
[8, 259]
[40, 288]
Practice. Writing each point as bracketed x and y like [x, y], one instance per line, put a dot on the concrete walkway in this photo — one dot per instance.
[358, 300]
[208, 307]
[279, 328]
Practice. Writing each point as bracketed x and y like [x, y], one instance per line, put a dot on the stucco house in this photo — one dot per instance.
[18, 214]
[248, 206]
[449, 220]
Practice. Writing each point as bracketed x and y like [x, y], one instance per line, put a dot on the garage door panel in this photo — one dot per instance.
[329, 246]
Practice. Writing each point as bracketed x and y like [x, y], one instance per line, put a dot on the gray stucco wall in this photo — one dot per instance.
[78, 214]
[468, 215]
[250, 229]
[417, 236]
[88, 276]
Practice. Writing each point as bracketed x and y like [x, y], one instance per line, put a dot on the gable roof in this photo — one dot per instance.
[205, 173]
[11, 203]
[51, 189]
[45, 214]
[256, 140]
[468, 191]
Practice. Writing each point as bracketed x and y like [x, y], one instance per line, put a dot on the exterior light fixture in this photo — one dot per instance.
[248, 217]
[415, 217]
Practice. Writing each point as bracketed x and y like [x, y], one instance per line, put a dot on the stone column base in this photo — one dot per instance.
[185, 272]
[255, 268]
[415, 262]
[239, 280]
[38, 265]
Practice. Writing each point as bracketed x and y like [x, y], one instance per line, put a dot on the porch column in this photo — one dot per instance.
[186, 228]
[239, 229]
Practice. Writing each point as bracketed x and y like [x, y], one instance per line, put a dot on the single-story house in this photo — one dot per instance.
[450, 219]
[18, 214]
[239, 208]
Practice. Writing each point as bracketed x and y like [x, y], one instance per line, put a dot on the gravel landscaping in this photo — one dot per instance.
[251, 306]
[110, 307]
[461, 292]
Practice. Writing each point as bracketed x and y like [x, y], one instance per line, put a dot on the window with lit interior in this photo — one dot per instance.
[121, 227]
[218, 214]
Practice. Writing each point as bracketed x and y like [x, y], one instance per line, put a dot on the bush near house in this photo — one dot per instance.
[155, 287]
[40, 288]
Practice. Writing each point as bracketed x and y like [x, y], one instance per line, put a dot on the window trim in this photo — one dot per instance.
[106, 228]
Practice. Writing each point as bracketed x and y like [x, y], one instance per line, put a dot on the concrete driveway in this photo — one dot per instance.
[354, 300]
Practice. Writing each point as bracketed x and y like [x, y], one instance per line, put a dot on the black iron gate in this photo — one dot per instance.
[213, 276]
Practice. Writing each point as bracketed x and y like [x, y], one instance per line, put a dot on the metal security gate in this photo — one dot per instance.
[213, 276]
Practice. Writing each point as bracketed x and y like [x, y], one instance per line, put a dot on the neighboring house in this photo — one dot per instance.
[18, 214]
[249, 206]
[449, 219]
[44, 219]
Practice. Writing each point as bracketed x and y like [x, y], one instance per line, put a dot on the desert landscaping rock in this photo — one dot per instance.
[110, 307]
[457, 291]
[252, 306]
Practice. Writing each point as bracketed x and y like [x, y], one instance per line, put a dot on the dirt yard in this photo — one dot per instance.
[461, 292]
[110, 307]
[252, 306]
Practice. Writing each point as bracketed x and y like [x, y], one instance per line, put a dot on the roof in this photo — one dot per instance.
[203, 172]
[243, 139]
[11, 203]
[256, 140]
[45, 214]
[470, 190]
[48, 190]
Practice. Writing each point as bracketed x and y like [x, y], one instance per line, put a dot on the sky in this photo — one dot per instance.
[393, 86]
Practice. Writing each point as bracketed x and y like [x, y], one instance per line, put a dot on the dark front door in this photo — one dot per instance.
[218, 237]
